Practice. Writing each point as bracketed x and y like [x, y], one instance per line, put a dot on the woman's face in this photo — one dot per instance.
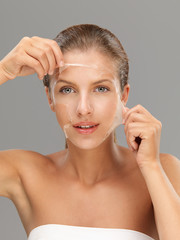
[85, 98]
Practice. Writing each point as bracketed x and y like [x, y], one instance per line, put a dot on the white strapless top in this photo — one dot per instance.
[68, 232]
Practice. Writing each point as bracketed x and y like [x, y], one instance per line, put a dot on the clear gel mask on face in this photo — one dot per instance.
[87, 94]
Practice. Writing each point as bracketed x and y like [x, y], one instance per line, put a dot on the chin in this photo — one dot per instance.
[86, 144]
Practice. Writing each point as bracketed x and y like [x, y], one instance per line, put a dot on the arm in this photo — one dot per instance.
[9, 175]
[31, 55]
[163, 186]
[3, 78]
[163, 182]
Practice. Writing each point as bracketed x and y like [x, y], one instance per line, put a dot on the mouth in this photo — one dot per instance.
[86, 127]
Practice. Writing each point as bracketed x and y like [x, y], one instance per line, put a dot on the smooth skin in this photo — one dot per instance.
[124, 188]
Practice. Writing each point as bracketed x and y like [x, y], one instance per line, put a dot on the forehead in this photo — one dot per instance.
[90, 57]
[90, 66]
[83, 75]
[86, 72]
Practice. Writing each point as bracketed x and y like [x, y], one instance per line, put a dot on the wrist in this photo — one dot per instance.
[151, 166]
[3, 77]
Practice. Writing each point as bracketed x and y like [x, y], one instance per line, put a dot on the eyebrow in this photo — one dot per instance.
[99, 81]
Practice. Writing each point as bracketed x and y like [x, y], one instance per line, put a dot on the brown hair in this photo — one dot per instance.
[87, 36]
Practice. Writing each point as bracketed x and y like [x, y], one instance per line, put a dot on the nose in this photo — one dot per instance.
[84, 106]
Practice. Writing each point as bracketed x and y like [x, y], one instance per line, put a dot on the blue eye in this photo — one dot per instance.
[102, 89]
[66, 90]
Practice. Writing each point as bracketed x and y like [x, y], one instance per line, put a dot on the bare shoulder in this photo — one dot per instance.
[21, 161]
[12, 165]
[31, 159]
[17, 157]
[38, 165]
[18, 165]
[169, 163]
[17, 153]
[171, 166]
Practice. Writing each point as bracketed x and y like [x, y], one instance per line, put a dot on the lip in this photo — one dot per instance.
[85, 124]
[85, 131]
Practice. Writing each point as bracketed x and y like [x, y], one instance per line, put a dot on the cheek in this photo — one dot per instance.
[106, 109]
[62, 114]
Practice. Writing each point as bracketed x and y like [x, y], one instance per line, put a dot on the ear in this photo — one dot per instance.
[51, 104]
[125, 94]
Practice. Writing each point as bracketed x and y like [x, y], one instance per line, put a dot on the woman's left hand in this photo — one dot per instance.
[143, 133]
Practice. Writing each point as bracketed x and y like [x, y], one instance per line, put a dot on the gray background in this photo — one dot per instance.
[149, 32]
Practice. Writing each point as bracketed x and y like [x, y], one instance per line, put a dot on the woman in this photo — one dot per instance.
[94, 188]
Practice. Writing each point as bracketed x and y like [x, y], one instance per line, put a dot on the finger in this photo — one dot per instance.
[124, 111]
[46, 52]
[135, 133]
[48, 46]
[131, 141]
[35, 64]
[126, 108]
[39, 55]
[51, 59]
[135, 117]
[134, 143]
[57, 52]
[137, 109]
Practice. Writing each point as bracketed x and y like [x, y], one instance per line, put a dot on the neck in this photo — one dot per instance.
[94, 165]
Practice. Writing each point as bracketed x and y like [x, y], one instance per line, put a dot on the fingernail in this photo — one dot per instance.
[61, 63]
[51, 72]
[130, 147]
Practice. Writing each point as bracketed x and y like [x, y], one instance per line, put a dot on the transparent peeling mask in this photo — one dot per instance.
[87, 101]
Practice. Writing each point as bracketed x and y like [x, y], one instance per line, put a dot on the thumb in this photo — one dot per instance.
[124, 111]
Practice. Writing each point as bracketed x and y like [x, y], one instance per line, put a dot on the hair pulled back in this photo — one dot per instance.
[87, 36]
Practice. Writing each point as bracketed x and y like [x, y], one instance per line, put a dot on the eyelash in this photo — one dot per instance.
[63, 88]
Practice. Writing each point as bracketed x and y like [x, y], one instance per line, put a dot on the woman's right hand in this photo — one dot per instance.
[32, 55]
